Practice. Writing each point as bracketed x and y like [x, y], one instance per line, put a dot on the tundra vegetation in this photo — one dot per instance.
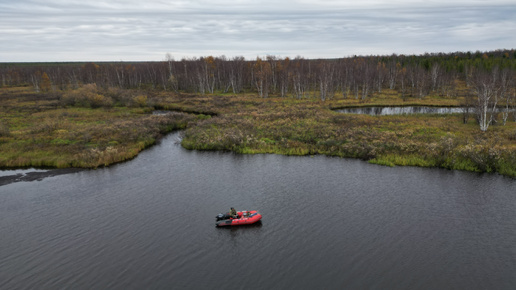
[96, 114]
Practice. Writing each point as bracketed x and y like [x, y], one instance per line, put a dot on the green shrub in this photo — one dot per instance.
[140, 101]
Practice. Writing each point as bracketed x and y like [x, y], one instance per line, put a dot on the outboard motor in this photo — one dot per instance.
[222, 216]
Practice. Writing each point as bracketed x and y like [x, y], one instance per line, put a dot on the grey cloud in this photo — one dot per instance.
[136, 30]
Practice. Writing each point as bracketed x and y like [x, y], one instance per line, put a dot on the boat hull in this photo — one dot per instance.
[242, 219]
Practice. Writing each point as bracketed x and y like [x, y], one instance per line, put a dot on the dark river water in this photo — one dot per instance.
[328, 223]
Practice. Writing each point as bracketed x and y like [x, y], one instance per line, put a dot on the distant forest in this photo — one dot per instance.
[358, 77]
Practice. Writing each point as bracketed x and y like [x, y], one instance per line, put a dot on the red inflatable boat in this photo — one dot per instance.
[244, 218]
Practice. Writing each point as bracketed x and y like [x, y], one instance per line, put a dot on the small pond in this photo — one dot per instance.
[383, 111]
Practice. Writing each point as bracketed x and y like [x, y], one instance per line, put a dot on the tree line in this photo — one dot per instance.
[488, 76]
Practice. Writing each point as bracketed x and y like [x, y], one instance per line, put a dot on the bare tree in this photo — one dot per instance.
[421, 81]
[284, 72]
[326, 79]
[435, 74]
[345, 77]
[236, 74]
[262, 73]
[273, 61]
[171, 78]
[381, 72]
[364, 73]
[402, 73]
[35, 78]
[211, 72]
[392, 72]
[300, 77]
[201, 76]
[486, 87]
[506, 81]
[90, 72]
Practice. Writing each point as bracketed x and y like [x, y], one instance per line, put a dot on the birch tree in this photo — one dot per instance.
[487, 89]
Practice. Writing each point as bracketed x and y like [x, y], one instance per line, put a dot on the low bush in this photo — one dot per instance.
[140, 101]
[88, 96]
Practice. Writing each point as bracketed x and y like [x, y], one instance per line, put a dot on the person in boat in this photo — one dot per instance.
[233, 213]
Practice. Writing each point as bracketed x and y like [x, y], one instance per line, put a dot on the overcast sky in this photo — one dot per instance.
[127, 30]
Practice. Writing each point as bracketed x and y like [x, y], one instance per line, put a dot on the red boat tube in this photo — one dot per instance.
[244, 218]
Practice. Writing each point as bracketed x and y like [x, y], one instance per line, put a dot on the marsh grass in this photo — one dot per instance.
[42, 130]
[305, 127]
[34, 132]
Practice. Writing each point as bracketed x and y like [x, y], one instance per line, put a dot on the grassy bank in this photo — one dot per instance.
[302, 127]
[37, 131]
[53, 130]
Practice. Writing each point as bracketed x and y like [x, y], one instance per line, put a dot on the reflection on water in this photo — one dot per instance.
[328, 223]
[20, 171]
[383, 111]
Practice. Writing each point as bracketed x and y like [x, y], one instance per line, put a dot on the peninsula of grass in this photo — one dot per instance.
[37, 130]
[49, 130]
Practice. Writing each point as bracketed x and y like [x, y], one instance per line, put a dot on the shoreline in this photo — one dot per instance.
[37, 175]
